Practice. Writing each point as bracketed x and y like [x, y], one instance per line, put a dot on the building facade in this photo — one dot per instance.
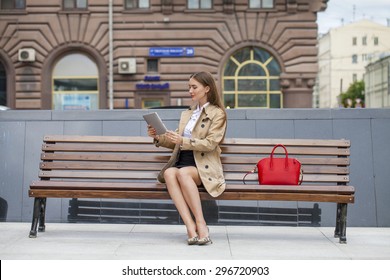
[117, 54]
[377, 84]
[344, 53]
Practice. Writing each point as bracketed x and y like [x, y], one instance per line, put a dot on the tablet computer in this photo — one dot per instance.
[154, 120]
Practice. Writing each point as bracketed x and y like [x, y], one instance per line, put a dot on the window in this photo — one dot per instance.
[199, 4]
[354, 58]
[75, 4]
[364, 41]
[12, 4]
[150, 102]
[251, 78]
[75, 84]
[3, 86]
[354, 41]
[354, 77]
[261, 4]
[152, 65]
[376, 41]
[137, 4]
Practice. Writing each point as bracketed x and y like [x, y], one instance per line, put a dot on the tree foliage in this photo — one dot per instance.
[354, 96]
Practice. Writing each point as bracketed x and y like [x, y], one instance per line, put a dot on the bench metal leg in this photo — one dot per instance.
[341, 222]
[38, 216]
[42, 216]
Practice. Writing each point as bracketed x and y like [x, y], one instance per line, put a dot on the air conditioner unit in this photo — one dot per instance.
[127, 66]
[26, 54]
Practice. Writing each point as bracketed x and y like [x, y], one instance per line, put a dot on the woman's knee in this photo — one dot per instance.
[185, 175]
[170, 174]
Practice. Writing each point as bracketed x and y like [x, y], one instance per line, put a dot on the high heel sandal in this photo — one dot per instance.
[205, 240]
[193, 240]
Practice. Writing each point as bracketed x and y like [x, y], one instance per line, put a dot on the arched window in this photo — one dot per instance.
[3, 86]
[75, 83]
[251, 78]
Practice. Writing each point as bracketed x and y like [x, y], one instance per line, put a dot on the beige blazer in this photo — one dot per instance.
[208, 132]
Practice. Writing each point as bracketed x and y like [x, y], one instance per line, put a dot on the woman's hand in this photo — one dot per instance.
[174, 137]
[152, 132]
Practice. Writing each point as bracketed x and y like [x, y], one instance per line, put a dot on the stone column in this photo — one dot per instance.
[297, 92]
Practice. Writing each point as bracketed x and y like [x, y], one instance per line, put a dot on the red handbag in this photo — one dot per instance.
[278, 171]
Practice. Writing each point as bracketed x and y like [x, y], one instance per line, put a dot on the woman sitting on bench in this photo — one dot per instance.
[195, 159]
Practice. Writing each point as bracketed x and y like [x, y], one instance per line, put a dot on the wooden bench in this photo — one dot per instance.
[108, 167]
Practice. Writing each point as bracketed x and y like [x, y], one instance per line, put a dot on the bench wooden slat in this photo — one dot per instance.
[136, 194]
[227, 141]
[292, 151]
[157, 157]
[101, 165]
[163, 158]
[156, 186]
[149, 148]
[97, 139]
[244, 168]
[43, 184]
[309, 160]
[139, 165]
[337, 198]
[138, 175]
[306, 178]
[99, 147]
[152, 175]
[287, 142]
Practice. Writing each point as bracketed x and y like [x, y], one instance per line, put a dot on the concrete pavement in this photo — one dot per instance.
[65, 241]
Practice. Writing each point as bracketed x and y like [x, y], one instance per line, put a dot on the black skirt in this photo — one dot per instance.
[186, 158]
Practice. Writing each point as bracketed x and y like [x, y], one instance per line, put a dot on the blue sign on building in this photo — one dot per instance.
[171, 51]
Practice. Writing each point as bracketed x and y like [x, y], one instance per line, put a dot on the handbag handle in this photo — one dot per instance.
[250, 172]
[272, 155]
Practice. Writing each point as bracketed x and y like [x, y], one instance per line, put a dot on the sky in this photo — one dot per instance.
[342, 12]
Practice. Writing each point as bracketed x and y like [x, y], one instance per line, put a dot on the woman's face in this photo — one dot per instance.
[197, 91]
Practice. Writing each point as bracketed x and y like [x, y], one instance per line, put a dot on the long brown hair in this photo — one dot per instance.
[207, 80]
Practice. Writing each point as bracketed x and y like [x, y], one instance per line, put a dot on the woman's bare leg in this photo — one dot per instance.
[189, 180]
[175, 191]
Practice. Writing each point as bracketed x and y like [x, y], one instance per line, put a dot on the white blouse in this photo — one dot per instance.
[194, 118]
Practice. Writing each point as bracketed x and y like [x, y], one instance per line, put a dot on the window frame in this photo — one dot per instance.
[13, 6]
[199, 7]
[261, 5]
[268, 80]
[354, 59]
[72, 87]
[75, 7]
[148, 64]
[137, 7]
[3, 82]
[364, 41]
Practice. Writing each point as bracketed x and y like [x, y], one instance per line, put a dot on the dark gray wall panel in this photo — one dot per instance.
[241, 128]
[11, 168]
[83, 127]
[274, 129]
[34, 134]
[361, 168]
[313, 129]
[381, 166]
